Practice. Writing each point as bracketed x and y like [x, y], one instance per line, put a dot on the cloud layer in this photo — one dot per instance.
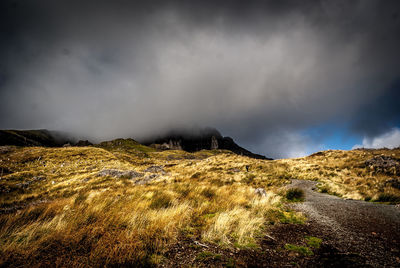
[389, 140]
[259, 71]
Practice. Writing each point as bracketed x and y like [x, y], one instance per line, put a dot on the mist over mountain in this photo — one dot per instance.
[271, 74]
[190, 140]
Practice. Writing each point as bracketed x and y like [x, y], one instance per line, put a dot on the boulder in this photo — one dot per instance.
[384, 163]
[261, 192]
[155, 169]
[146, 179]
[119, 173]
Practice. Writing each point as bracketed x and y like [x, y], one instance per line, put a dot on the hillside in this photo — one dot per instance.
[40, 137]
[197, 140]
[363, 174]
[122, 203]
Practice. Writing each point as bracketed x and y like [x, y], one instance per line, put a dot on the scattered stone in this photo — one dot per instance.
[261, 192]
[6, 149]
[39, 178]
[155, 169]
[383, 164]
[146, 179]
[24, 185]
[119, 173]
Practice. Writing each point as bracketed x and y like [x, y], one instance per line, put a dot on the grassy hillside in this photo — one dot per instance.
[364, 174]
[123, 203]
[85, 205]
[40, 137]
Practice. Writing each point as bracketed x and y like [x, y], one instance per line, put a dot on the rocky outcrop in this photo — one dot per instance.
[384, 164]
[261, 192]
[204, 139]
[115, 173]
[83, 143]
[214, 143]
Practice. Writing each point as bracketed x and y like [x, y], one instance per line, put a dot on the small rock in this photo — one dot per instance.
[155, 169]
[261, 192]
[39, 178]
[146, 179]
[24, 185]
[119, 173]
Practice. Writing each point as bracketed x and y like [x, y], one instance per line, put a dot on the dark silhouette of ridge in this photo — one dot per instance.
[198, 139]
[188, 140]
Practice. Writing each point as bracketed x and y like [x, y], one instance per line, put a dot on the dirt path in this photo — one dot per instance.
[364, 229]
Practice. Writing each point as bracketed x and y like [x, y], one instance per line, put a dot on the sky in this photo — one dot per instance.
[283, 78]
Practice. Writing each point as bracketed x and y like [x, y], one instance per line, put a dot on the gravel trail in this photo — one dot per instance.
[368, 230]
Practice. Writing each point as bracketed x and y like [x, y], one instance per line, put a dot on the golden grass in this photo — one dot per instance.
[344, 173]
[56, 211]
[72, 217]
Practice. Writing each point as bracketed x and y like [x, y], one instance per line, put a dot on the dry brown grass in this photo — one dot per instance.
[68, 216]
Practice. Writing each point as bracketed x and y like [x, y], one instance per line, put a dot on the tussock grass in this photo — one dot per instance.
[70, 216]
[345, 174]
[295, 195]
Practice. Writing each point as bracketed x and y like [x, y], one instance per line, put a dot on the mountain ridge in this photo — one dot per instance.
[189, 141]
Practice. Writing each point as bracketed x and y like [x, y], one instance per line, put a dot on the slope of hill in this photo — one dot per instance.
[122, 203]
[40, 137]
[128, 203]
[201, 139]
[364, 174]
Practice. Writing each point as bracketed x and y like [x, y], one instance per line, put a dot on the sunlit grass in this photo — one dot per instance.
[73, 217]
[344, 173]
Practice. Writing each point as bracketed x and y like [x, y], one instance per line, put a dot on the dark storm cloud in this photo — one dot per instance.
[258, 70]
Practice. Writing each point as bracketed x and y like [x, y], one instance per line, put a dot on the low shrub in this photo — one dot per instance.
[295, 194]
[386, 197]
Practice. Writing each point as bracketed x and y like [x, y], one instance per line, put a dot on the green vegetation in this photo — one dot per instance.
[299, 249]
[314, 242]
[205, 256]
[291, 217]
